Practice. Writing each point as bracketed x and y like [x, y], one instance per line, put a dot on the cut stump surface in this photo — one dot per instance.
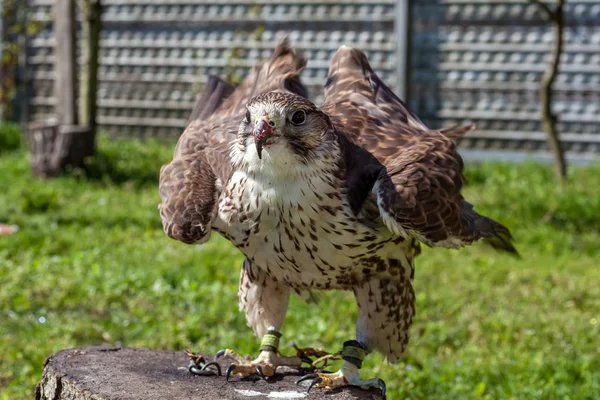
[111, 373]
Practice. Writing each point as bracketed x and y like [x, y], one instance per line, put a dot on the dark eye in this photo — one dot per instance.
[299, 117]
[248, 116]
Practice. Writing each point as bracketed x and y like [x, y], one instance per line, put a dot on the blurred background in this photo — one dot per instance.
[94, 94]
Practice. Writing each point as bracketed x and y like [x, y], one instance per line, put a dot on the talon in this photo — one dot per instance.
[220, 353]
[259, 372]
[307, 377]
[229, 371]
[213, 364]
[383, 388]
[315, 382]
[193, 368]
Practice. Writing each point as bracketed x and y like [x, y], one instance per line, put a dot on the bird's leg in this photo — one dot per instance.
[267, 361]
[353, 355]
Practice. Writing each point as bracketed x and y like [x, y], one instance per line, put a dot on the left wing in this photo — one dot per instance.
[191, 184]
[418, 192]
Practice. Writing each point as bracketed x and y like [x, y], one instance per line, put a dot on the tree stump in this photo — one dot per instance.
[111, 373]
[54, 146]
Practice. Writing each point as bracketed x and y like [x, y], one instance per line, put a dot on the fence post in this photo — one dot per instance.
[65, 62]
[88, 95]
[402, 29]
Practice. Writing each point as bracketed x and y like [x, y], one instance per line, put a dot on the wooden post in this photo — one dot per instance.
[91, 12]
[65, 62]
[55, 144]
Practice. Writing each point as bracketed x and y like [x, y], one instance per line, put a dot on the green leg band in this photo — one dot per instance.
[354, 353]
[270, 342]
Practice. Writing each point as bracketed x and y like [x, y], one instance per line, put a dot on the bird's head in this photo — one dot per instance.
[281, 130]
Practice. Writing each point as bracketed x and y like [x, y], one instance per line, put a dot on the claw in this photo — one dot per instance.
[229, 371]
[193, 368]
[198, 365]
[259, 372]
[306, 377]
[220, 353]
[383, 388]
[211, 364]
[315, 382]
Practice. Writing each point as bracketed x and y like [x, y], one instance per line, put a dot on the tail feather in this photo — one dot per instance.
[495, 234]
[491, 232]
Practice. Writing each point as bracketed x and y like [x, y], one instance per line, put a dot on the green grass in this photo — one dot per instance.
[91, 261]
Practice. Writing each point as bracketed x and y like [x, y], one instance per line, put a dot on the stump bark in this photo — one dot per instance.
[111, 373]
[54, 146]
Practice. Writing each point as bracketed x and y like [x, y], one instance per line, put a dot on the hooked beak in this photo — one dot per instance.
[262, 132]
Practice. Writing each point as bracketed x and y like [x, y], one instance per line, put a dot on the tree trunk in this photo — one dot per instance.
[111, 373]
[54, 146]
[545, 93]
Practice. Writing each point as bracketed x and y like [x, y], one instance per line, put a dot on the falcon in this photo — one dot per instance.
[339, 197]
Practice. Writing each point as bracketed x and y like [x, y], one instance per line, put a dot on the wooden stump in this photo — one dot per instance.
[55, 146]
[107, 373]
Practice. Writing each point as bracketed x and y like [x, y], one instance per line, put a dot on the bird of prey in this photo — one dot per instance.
[337, 197]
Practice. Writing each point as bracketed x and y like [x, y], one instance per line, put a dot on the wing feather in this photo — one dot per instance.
[188, 195]
[418, 191]
[190, 185]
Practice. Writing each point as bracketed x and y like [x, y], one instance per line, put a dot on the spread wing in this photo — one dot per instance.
[418, 190]
[190, 185]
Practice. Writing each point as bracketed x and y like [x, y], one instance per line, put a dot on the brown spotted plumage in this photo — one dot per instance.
[337, 197]
[420, 190]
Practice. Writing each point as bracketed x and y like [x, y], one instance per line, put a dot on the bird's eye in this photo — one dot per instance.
[299, 117]
[248, 116]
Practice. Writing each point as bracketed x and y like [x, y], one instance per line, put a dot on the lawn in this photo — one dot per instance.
[91, 265]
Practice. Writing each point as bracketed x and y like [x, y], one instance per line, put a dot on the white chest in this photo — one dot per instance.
[301, 231]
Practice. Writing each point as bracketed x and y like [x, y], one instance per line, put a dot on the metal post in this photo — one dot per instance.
[65, 62]
[402, 30]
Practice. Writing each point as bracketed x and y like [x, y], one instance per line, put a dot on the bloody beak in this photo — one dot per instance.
[262, 132]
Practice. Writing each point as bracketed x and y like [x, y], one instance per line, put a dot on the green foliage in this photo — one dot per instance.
[122, 160]
[90, 265]
[10, 137]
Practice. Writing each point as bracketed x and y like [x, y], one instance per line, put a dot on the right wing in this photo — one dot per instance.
[190, 185]
[418, 191]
